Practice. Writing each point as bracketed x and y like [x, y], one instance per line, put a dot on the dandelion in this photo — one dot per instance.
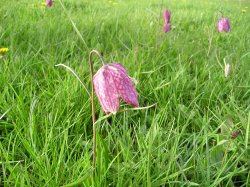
[3, 50]
[223, 25]
[243, 10]
[49, 3]
[227, 69]
[166, 18]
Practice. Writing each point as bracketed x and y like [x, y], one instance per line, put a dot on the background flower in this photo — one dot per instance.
[223, 25]
[166, 17]
[4, 50]
[49, 3]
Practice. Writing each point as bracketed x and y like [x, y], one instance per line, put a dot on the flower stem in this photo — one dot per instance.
[93, 105]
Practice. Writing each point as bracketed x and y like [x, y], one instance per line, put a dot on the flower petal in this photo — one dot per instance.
[166, 16]
[106, 91]
[166, 27]
[223, 24]
[123, 84]
[49, 3]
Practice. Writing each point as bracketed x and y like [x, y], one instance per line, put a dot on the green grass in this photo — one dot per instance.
[46, 129]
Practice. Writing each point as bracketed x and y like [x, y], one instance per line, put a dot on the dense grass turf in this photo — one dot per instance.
[46, 127]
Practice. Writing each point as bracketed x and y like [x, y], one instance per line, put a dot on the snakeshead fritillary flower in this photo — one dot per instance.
[166, 17]
[111, 82]
[49, 3]
[223, 25]
[166, 27]
[227, 69]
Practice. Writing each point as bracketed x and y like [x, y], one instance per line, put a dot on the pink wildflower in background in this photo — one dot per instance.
[49, 3]
[112, 82]
[166, 27]
[166, 17]
[223, 25]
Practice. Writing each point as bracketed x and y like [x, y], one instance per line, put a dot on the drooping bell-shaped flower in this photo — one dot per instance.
[166, 27]
[227, 70]
[166, 18]
[223, 25]
[112, 82]
[49, 3]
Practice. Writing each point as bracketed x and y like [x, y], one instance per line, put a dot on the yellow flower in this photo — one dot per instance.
[3, 50]
[243, 10]
[43, 4]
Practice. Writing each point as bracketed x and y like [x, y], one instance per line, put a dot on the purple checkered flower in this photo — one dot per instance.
[166, 27]
[223, 25]
[166, 17]
[49, 3]
[112, 82]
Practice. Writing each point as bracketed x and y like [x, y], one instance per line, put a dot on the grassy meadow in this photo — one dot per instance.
[196, 134]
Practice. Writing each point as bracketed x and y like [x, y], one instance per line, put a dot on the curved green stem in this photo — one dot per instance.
[93, 105]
